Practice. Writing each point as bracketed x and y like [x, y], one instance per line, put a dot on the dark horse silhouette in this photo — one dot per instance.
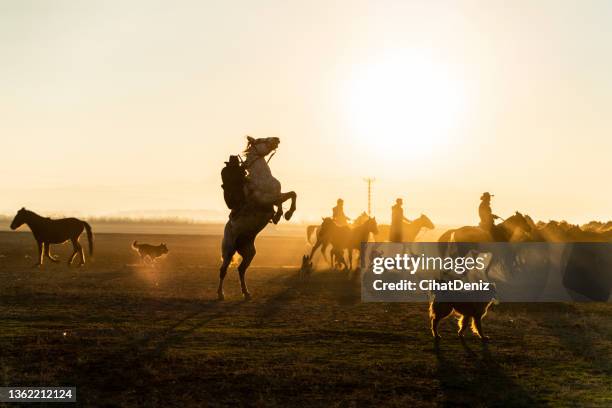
[47, 231]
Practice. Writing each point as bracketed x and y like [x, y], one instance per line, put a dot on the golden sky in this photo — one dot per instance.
[134, 105]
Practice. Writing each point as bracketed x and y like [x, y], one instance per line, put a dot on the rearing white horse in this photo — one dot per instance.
[263, 192]
[262, 188]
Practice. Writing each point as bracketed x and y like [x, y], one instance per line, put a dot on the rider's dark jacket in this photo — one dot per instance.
[486, 215]
[397, 222]
[338, 216]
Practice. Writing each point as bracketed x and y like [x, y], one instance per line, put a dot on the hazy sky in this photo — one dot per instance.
[134, 105]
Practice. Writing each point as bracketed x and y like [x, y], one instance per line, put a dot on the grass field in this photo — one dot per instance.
[126, 335]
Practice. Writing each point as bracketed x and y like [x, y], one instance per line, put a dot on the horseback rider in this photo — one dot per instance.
[486, 215]
[397, 221]
[338, 213]
[233, 176]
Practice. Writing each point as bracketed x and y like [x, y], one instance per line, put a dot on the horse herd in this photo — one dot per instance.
[343, 240]
[348, 238]
[516, 228]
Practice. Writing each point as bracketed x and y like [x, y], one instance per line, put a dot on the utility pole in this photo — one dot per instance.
[369, 180]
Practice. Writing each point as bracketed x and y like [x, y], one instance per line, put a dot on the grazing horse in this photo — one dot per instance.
[47, 231]
[263, 192]
[410, 230]
[346, 238]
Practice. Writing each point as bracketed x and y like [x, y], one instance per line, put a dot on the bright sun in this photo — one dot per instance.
[402, 107]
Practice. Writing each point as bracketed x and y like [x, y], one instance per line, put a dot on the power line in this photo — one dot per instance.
[369, 180]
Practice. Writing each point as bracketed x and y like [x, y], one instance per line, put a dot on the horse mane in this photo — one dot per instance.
[31, 213]
[248, 148]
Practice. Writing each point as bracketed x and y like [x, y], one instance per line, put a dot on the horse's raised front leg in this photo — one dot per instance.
[247, 252]
[278, 214]
[286, 196]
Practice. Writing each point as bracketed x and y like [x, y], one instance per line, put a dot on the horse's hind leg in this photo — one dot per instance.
[247, 252]
[78, 249]
[227, 253]
[48, 254]
[75, 251]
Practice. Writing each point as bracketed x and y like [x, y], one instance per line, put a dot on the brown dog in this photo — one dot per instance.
[468, 312]
[150, 251]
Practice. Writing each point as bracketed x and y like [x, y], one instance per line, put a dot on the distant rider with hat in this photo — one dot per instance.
[486, 214]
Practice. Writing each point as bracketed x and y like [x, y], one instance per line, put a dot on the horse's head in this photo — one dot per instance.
[530, 222]
[362, 218]
[164, 248]
[426, 222]
[262, 146]
[327, 223]
[20, 218]
[517, 222]
[553, 232]
[372, 225]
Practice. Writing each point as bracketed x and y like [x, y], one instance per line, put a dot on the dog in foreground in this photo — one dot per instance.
[149, 251]
[469, 313]
[306, 268]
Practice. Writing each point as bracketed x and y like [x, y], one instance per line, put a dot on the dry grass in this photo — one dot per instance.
[131, 335]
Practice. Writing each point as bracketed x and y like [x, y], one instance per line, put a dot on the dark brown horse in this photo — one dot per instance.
[323, 240]
[47, 231]
[514, 229]
[345, 238]
[410, 230]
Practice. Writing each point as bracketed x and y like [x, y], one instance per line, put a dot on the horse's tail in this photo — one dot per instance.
[89, 237]
[309, 230]
[135, 245]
